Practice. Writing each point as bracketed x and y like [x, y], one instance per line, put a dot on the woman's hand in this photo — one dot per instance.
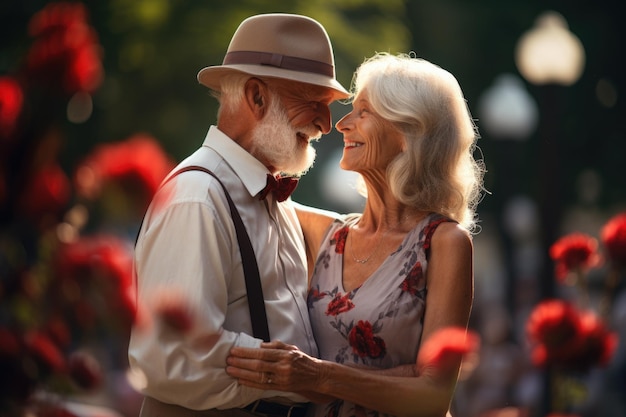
[276, 366]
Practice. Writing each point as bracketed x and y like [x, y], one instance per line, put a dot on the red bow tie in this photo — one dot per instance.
[281, 187]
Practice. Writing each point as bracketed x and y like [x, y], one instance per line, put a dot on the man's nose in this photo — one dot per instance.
[323, 118]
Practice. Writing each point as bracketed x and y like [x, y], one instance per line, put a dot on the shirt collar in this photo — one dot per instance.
[251, 172]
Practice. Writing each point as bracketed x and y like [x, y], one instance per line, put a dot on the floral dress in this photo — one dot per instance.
[378, 324]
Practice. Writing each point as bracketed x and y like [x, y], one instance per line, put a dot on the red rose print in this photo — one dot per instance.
[430, 230]
[414, 280]
[339, 304]
[339, 239]
[364, 343]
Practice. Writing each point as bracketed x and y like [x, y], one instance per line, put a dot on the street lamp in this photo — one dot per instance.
[549, 52]
[508, 115]
[550, 56]
[506, 110]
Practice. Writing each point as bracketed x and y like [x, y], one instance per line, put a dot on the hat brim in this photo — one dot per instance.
[210, 77]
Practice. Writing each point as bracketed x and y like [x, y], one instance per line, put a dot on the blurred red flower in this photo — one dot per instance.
[446, 347]
[138, 163]
[103, 263]
[596, 344]
[58, 331]
[568, 338]
[173, 310]
[47, 192]
[85, 370]
[11, 100]
[554, 324]
[613, 237]
[9, 344]
[66, 52]
[46, 353]
[574, 252]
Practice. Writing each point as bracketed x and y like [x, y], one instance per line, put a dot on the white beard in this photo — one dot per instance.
[274, 140]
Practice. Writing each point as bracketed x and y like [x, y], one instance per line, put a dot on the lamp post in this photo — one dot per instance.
[550, 56]
[508, 116]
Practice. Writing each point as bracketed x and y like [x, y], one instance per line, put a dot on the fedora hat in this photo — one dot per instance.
[278, 45]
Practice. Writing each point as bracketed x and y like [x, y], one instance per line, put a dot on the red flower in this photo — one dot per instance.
[9, 344]
[315, 294]
[138, 164]
[339, 239]
[66, 52]
[47, 192]
[613, 237]
[414, 282]
[85, 370]
[44, 351]
[59, 332]
[100, 262]
[11, 100]
[553, 323]
[567, 338]
[339, 304]
[446, 347]
[173, 310]
[574, 252]
[596, 344]
[364, 343]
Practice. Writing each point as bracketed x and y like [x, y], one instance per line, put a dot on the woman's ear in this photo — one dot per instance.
[256, 97]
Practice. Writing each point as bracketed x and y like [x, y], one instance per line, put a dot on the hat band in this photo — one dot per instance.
[278, 60]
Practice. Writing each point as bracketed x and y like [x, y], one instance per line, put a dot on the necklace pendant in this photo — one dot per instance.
[361, 261]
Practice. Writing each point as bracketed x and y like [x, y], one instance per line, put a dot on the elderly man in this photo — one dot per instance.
[274, 88]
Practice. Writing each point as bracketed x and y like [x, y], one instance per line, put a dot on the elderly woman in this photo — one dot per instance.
[385, 281]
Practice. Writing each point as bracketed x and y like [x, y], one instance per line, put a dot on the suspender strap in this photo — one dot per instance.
[250, 267]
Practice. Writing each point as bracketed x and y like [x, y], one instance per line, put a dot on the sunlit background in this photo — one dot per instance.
[545, 81]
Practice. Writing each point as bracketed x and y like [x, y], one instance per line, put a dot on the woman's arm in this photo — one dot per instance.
[314, 223]
[403, 391]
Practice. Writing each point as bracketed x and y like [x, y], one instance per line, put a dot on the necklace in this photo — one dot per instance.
[364, 261]
[380, 242]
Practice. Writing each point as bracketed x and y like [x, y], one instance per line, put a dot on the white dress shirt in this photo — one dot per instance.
[187, 245]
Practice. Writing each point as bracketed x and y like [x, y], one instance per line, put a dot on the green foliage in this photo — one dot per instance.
[153, 50]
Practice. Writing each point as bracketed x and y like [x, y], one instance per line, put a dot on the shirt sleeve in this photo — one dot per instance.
[187, 252]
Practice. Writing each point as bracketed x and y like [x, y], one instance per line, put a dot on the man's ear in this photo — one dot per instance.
[256, 97]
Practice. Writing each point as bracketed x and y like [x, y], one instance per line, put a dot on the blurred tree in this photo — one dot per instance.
[154, 49]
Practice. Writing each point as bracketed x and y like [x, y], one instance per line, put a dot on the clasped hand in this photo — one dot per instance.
[275, 365]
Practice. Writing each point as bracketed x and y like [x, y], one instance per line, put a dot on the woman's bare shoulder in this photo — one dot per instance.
[450, 236]
[315, 219]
